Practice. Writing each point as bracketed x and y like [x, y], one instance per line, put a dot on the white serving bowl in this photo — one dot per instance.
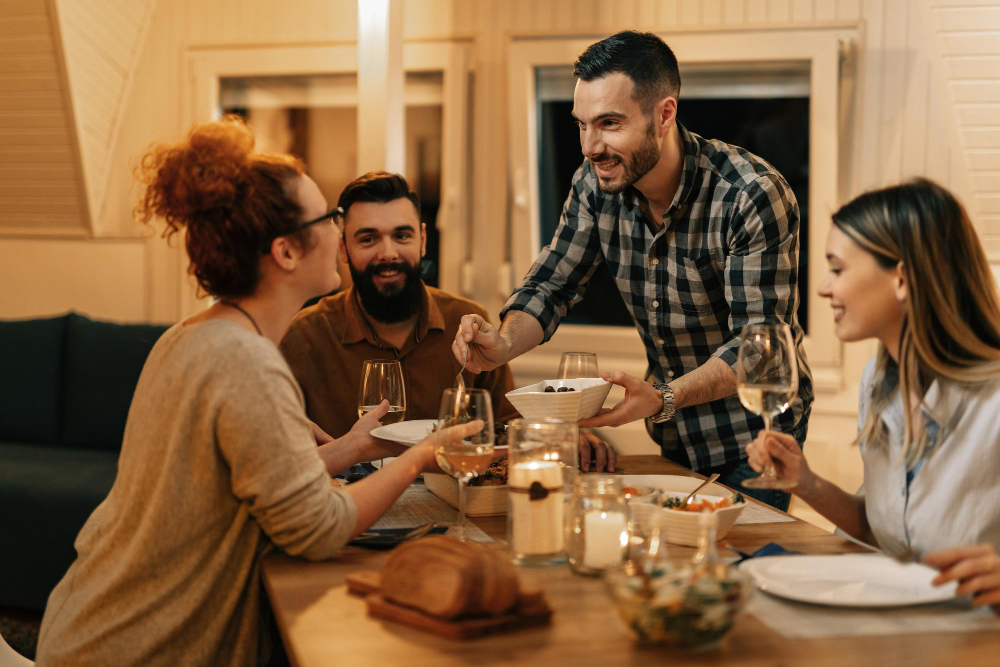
[683, 527]
[533, 402]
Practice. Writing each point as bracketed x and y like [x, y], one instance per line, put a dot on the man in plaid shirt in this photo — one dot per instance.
[702, 239]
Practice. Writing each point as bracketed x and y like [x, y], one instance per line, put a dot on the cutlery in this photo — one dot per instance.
[701, 486]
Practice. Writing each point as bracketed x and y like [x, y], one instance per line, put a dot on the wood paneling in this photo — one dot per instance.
[968, 41]
[36, 135]
[102, 40]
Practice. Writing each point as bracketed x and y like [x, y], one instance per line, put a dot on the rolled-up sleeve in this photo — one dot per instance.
[558, 278]
[763, 261]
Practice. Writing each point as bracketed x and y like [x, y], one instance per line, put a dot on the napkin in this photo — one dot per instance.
[769, 549]
[388, 538]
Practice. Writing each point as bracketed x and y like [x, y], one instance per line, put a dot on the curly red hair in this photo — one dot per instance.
[232, 201]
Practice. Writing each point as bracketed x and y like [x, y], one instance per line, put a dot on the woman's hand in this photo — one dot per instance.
[444, 436]
[976, 569]
[783, 452]
[481, 341]
[593, 449]
[641, 400]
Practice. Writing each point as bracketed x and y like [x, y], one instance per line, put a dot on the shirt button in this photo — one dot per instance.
[670, 373]
[656, 304]
[654, 261]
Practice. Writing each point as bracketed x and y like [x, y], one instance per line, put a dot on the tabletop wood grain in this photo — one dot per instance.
[321, 624]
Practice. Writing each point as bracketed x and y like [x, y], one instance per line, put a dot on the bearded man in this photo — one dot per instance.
[702, 239]
[389, 313]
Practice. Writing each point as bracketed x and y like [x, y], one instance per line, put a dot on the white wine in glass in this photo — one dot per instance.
[473, 455]
[577, 365]
[767, 381]
[382, 380]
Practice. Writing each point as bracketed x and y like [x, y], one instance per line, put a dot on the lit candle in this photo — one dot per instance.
[603, 545]
[538, 526]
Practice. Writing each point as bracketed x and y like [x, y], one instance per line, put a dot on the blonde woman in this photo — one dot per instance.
[906, 268]
[219, 463]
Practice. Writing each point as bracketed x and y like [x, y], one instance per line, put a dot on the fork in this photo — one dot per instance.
[459, 380]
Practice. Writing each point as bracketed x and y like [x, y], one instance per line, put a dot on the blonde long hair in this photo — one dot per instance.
[951, 326]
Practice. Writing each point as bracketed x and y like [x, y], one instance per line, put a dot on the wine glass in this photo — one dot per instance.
[577, 365]
[382, 380]
[767, 381]
[473, 455]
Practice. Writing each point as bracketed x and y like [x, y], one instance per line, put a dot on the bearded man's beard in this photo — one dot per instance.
[640, 164]
[391, 303]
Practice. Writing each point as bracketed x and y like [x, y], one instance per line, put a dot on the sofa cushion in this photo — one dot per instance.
[103, 363]
[46, 495]
[31, 356]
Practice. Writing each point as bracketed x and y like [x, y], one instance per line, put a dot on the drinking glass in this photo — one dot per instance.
[473, 455]
[767, 377]
[577, 365]
[382, 380]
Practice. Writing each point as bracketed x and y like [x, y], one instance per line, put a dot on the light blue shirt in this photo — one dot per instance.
[952, 496]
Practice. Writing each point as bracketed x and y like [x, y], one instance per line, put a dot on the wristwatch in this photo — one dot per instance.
[667, 413]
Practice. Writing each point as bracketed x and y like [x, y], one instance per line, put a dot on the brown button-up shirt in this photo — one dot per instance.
[327, 343]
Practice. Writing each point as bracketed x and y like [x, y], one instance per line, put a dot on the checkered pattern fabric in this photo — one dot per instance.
[726, 256]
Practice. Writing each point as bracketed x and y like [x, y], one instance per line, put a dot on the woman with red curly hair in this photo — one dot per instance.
[219, 463]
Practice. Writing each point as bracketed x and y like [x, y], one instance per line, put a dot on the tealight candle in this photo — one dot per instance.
[603, 542]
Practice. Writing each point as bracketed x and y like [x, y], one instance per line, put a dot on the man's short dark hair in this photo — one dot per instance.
[378, 187]
[642, 57]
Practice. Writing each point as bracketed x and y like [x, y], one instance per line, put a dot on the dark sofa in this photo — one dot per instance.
[66, 384]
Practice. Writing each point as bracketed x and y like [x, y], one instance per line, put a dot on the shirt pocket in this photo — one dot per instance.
[700, 286]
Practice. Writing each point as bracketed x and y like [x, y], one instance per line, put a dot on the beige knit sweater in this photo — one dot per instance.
[217, 464]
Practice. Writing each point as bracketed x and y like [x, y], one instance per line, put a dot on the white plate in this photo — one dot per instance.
[848, 580]
[677, 483]
[405, 433]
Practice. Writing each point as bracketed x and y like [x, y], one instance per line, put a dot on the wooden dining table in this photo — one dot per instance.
[322, 624]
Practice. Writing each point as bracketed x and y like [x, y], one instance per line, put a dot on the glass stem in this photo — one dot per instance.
[460, 528]
[769, 470]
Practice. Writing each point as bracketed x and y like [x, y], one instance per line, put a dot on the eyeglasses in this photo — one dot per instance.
[336, 214]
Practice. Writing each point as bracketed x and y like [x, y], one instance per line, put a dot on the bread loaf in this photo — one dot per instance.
[445, 577]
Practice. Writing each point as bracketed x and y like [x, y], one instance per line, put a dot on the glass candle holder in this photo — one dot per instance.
[542, 464]
[597, 526]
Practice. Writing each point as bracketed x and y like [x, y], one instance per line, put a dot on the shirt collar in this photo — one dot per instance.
[631, 197]
[936, 408]
[355, 327]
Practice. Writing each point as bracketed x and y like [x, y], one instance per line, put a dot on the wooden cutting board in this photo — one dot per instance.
[531, 611]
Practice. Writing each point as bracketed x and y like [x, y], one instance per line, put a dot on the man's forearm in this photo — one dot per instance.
[522, 333]
[711, 381]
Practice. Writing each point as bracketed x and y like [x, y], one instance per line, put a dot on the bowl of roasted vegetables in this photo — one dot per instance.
[680, 521]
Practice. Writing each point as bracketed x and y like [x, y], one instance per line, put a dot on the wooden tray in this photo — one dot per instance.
[531, 610]
[479, 500]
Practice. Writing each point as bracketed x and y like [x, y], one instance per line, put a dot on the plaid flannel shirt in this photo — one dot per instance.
[726, 256]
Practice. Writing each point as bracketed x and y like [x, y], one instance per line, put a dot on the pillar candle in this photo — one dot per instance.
[537, 525]
[602, 533]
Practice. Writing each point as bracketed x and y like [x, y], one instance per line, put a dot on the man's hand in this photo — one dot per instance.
[975, 568]
[482, 342]
[357, 445]
[593, 449]
[641, 400]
